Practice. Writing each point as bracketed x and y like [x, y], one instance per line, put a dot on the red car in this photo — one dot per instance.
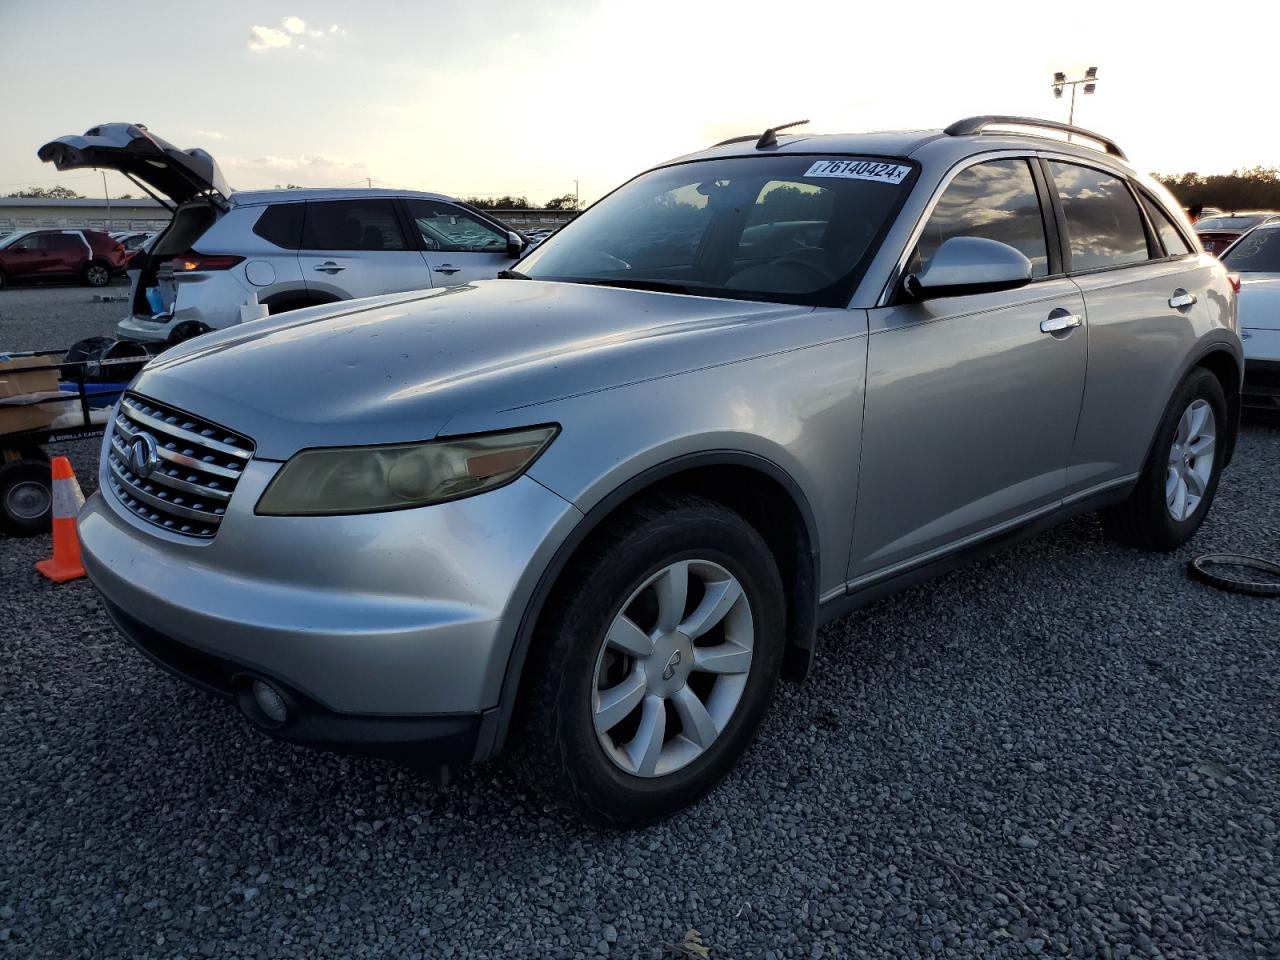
[1218, 233]
[90, 255]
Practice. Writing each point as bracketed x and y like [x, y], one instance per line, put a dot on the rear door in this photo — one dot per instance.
[68, 252]
[1143, 304]
[357, 248]
[971, 400]
[457, 246]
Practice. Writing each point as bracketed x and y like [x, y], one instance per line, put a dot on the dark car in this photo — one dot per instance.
[90, 255]
[1218, 233]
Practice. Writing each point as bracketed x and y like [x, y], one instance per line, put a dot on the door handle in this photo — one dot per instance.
[446, 268]
[329, 267]
[1060, 322]
[1181, 299]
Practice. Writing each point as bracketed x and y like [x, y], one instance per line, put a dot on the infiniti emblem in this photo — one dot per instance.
[669, 670]
[144, 455]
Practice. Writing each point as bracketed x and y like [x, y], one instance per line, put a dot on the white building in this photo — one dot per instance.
[19, 213]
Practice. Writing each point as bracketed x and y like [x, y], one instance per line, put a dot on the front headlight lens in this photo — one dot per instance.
[369, 479]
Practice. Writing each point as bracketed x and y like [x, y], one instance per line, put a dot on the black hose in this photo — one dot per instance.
[1237, 573]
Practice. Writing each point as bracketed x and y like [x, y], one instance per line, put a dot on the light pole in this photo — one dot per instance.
[577, 201]
[1090, 81]
[106, 194]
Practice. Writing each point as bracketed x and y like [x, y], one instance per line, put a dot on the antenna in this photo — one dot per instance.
[770, 137]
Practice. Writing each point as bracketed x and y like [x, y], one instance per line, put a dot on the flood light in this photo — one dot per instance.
[1091, 73]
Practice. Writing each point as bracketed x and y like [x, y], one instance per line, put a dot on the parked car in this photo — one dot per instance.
[602, 504]
[134, 240]
[90, 255]
[289, 248]
[1218, 233]
[1255, 258]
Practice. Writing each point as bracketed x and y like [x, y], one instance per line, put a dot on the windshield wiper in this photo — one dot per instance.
[657, 286]
[513, 275]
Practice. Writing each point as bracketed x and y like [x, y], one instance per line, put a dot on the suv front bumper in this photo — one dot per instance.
[384, 632]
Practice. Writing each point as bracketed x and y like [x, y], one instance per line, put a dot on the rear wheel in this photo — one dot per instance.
[655, 662]
[26, 497]
[96, 273]
[1180, 478]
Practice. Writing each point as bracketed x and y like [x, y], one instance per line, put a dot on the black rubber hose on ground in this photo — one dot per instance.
[1237, 573]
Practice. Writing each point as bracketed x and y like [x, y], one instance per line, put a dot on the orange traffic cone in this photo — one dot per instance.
[67, 501]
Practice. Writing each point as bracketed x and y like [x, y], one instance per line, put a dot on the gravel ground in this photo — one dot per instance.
[1065, 750]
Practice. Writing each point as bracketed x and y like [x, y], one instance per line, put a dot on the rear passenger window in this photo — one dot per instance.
[1174, 244]
[281, 224]
[352, 225]
[995, 200]
[1103, 222]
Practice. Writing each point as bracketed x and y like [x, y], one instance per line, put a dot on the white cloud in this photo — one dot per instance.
[273, 38]
[268, 38]
[210, 134]
[306, 169]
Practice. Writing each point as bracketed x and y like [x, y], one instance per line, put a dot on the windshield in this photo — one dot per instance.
[1226, 223]
[1259, 252]
[789, 229]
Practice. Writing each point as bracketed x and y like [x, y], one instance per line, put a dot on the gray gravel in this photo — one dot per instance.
[1066, 750]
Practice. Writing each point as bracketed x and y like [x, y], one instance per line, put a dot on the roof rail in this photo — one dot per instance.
[974, 125]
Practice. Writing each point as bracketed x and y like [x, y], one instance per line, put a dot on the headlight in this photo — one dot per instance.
[370, 479]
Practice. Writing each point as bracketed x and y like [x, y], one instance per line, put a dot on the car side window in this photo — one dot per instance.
[352, 225]
[34, 241]
[1174, 243]
[281, 224]
[63, 241]
[1104, 225]
[448, 228]
[995, 200]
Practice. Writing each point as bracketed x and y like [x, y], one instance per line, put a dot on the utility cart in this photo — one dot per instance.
[46, 399]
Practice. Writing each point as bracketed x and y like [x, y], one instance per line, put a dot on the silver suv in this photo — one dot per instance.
[286, 248]
[600, 505]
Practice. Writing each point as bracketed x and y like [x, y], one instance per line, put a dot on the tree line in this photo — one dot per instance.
[566, 202]
[1255, 188]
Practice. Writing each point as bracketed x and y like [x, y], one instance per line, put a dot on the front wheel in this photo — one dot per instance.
[655, 662]
[97, 274]
[1180, 478]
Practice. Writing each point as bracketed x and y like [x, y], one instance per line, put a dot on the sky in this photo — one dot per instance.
[489, 97]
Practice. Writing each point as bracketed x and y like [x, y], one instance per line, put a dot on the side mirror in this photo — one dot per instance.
[19, 248]
[966, 265]
[515, 244]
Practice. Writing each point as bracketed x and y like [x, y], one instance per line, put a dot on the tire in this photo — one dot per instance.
[1148, 519]
[605, 776]
[3, 279]
[26, 497]
[96, 273]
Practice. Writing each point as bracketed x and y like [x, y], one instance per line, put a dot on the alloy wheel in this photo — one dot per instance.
[672, 668]
[97, 275]
[1191, 460]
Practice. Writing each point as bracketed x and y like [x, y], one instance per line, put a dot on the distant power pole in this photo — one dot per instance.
[577, 200]
[369, 180]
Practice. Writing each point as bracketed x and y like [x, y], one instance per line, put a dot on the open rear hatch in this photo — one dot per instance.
[156, 165]
[187, 182]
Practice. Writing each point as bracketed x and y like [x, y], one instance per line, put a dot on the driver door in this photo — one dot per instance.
[457, 246]
[971, 408]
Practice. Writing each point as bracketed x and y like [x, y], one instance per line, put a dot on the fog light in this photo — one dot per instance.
[270, 702]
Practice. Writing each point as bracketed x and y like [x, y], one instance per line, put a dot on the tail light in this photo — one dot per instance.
[1234, 280]
[191, 260]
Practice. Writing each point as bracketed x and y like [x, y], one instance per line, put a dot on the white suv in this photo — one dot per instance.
[290, 248]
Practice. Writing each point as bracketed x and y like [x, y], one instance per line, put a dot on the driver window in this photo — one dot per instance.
[995, 200]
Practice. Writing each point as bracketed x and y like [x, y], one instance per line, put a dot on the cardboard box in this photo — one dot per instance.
[19, 413]
[17, 376]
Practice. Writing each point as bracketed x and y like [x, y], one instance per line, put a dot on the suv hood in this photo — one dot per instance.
[153, 163]
[398, 368]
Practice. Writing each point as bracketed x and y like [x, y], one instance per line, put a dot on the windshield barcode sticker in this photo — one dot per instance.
[859, 170]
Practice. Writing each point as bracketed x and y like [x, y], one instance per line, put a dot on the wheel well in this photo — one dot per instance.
[1223, 366]
[296, 300]
[746, 485]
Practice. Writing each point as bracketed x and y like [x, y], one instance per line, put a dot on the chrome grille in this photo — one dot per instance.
[196, 468]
